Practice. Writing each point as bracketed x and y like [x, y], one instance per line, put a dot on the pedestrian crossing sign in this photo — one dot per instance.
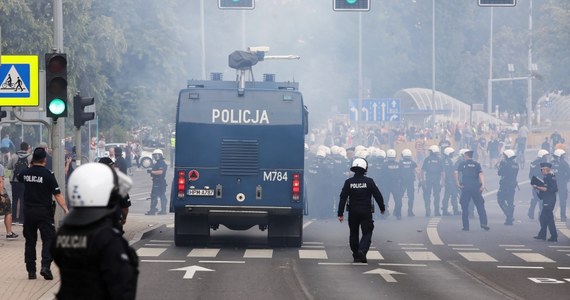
[19, 78]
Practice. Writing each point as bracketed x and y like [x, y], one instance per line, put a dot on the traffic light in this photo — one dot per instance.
[497, 2]
[79, 114]
[236, 4]
[351, 5]
[3, 114]
[56, 85]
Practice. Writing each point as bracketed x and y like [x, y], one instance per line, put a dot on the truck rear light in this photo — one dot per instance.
[296, 188]
[181, 184]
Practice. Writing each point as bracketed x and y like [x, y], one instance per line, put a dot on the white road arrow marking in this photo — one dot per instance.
[190, 270]
[385, 273]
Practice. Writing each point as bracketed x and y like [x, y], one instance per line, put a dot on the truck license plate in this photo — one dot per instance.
[197, 192]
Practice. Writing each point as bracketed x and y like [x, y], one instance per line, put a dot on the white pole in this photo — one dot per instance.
[490, 83]
[529, 99]
[203, 37]
[433, 62]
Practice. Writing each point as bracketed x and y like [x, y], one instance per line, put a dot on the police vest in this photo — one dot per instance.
[78, 259]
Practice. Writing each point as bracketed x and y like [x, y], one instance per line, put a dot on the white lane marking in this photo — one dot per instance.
[518, 249]
[466, 249]
[564, 268]
[402, 265]
[511, 246]
[414, 248]
[162, 241]
[422, 255]
[221, 261]
[460, 245]
[203, 253]
[562, 228]
[313, 243]
[313, 246]
[170, 225]
[477, 256]
[150, 251]
[408, 244]
[533, 257]
[558, 246]
[191, 270]
[258, 253]
[563, 250]
[159, 245]
[434, 236]
[374, 255]
[518, 267]
[138, 194]
[313, 254]
[341, 264]
[162, 261]
[307, 224]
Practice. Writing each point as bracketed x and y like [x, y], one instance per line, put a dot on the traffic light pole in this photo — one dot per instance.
[58, 127]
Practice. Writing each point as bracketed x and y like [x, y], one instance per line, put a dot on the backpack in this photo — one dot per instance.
[21, 165]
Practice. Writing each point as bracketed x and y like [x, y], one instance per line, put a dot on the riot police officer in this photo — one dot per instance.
[319, 174]
[508, 171]
[392, 177]
[450, 193]
[376, 161]
[39, 186]
[94, 260]
[542, 156]
[358, 191]
[547, 193]
[470, 180]
[561, 170]
[158, 174]
[408, 169]
[432, 180]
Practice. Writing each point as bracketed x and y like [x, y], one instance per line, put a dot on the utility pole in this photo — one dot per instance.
[530, 69]
[58, 127]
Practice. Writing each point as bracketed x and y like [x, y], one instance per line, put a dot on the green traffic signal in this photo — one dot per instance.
[56, 107]
[351, 1]
[351, 5]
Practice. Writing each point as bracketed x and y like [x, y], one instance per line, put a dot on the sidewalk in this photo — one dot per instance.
[14, 278]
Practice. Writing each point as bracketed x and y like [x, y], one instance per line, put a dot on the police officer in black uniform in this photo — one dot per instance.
[547, 193]
[358, 191]
[561, 170]
[408, 168]
[94, 260]
[376, 161]
[508, 171]
[433, 169]
[470, 180]
[450, 193]
[392, 178]
[39, 186]
[158, 174]
[542, 156]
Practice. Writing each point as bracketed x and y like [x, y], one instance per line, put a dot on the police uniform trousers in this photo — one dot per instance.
[506, 199]
[408, 188]
[533, 203]
[468, 194]
[38, 217]
[158, 191]
[17, 201]
[394, 190]
[360, 219]
[563, 196]
[547, 221]
[450, 194]
[432, 185]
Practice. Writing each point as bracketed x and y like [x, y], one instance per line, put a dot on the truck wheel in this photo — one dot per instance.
[285, 231]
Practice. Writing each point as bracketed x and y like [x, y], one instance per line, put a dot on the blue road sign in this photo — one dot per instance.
[19, 80]
[374, 110]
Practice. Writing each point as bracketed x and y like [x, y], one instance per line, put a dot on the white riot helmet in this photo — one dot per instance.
[462, 151]
[359, 164]
[362, 153]
[559, 152]
[94, 190]
[509, 153]
[406, 153]
[335, 150]
[342, 152]
[321, 153]
[157, 154]
[391, 153]
[448, 151]
[541, 153]
[434, 148]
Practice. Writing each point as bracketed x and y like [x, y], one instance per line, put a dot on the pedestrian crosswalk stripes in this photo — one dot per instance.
[534, 257]
[477, 256]
[471, 254]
